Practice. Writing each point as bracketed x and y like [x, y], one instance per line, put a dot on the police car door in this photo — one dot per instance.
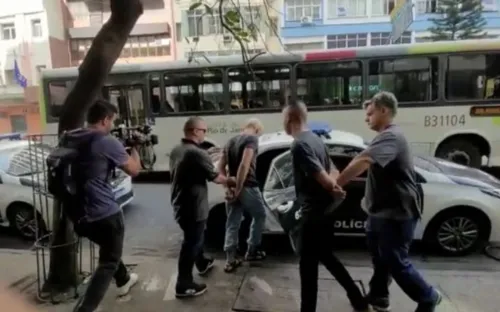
[279, 193]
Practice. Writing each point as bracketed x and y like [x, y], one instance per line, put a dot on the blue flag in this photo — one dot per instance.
[18, 77]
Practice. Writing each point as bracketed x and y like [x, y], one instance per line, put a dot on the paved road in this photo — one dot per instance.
[151, 231]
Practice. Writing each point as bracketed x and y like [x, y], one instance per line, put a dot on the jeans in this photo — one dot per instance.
[191, 250]
[108, 234]
[251, 201]
[316, 241]
[389, 242]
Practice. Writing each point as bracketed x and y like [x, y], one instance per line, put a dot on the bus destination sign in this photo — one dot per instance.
[485, 111]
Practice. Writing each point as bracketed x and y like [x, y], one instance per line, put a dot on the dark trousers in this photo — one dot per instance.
[389, 242]
[315, 247]
[108, 234]
[191, 250]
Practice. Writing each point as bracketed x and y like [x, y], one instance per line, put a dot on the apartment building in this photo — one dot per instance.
[31, 41]
[199, 33]
[330, 24]
[149, 41]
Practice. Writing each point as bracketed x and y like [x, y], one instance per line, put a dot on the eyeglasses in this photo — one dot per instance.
[203, 130]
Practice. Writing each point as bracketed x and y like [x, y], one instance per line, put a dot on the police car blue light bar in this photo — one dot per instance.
[320, 128]
[11, 136]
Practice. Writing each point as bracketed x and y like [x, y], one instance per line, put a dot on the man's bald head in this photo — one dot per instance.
[294, 117]
[192, 123]
[296, 112]
[195, 129]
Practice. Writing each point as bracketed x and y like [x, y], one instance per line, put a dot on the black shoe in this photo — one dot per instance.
[257, 255]
[430, 306]
[193, 290]
[359, 303]
[206, 267]
[379, 304]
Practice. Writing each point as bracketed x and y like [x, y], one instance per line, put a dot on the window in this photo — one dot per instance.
[57, 94]
[410, 79]
[249, 15]
[346, 41]
[426, 6]
[268, 87]
[18, 123]
[36, 28]
[280, 173]
[155, 96]
[195, 23]
[473, 77]
[383, 38]
[382, 7]
[198, 54]
[304, 46]
[327, 84]
[346, 8]
[178, 32]
[296, 9]
[8, 31]
[194, 91]
[136, 46]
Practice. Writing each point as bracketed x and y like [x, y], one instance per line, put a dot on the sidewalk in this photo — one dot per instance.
[273, 287]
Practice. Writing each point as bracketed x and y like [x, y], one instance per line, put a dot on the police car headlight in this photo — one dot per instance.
[492, 192]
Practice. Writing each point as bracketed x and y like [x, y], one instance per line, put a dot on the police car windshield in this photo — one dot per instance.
[24, 161]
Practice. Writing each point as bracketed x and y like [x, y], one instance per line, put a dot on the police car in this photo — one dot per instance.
[461, 204]
[23, 187]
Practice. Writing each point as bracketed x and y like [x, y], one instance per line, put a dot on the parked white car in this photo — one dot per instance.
[22, 188]
[461, 204]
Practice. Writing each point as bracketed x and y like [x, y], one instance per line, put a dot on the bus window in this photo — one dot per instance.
[265, 87]
[410, 79]
[473, 77]
[154, 93]
[324, 84]
[197, 91]
[58, 90]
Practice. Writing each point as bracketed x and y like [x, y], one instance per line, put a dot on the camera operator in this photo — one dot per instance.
[103, 221]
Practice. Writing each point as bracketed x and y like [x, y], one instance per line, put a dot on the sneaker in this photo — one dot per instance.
[125, 289]
[193, 290]
[430, 306]
[208, 266]
[257, 255]
[379, 304]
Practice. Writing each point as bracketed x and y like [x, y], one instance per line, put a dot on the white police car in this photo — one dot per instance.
[21, 170]
[461, 204]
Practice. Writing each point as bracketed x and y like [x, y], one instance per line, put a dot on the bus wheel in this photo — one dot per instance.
[461, 152]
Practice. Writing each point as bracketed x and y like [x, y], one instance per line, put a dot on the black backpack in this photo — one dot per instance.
[66, 176]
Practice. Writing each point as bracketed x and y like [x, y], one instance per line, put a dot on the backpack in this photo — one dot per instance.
[66, 175]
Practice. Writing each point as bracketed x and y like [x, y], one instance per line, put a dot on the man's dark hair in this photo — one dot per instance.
[100, 110]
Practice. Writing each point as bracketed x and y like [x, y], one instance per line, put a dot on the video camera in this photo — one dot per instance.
[135, 136]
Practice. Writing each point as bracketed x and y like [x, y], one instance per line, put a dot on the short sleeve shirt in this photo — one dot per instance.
[191, 168]
[391, 187]
[310, 156]
[234, 152]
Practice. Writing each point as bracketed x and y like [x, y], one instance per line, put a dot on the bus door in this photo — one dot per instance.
[130, 102]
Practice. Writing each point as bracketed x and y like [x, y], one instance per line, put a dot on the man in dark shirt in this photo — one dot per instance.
[240, 155]
[393, 203]
[103, 221]
[191, 168]
[316, 190]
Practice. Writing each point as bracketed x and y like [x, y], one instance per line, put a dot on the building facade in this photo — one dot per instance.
[330, 24]
[149, 41]
[199, 33]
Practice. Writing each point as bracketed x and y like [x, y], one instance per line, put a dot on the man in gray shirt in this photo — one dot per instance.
[393, 203]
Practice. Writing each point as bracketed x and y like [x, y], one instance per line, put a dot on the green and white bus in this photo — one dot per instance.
[449, 94]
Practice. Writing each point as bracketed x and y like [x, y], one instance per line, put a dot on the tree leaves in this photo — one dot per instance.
[460, 19]
[194, 6]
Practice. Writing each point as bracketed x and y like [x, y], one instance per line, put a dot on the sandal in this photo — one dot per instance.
[231, 266]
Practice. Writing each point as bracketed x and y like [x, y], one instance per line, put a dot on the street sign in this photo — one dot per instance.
[401, 18]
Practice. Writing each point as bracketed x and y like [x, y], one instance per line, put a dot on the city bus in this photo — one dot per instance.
[448, 92]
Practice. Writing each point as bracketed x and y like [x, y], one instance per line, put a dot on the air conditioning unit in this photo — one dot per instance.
[227, 38]
[306, 20]
[196, 39]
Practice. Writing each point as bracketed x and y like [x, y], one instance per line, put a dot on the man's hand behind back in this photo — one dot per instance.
[338, 191]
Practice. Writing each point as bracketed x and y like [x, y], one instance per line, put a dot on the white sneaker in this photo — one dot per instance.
[125, 289]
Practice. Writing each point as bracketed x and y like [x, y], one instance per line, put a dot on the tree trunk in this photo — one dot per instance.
[103, 53]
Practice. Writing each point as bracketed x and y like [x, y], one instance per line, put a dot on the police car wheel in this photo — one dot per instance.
[22, 219]
[458, 232]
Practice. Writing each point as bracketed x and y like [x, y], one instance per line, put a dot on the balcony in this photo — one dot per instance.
[11, 91]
